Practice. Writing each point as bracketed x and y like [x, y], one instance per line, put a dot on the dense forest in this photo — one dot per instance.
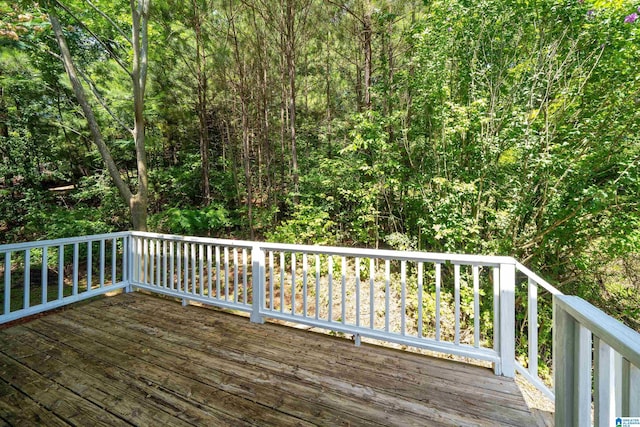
[493, 127]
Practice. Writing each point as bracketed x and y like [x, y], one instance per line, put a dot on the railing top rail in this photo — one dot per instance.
[393, 254]
[344, 251]
[619, 336]
[328, 250]
[12, 247]
[539, 280]
[192, 239]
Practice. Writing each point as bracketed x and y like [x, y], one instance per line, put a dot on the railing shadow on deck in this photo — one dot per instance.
[462, 305]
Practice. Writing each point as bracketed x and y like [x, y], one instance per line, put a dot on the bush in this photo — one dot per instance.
[61, 222]
[308, 225]
[190, 221]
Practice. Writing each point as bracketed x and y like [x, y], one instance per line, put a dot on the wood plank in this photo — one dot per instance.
[451, 401]
[171, 363]
[161, 388]
[285, 395]
[18, 409]
[202, 364]
[413, 383]
[55, 398]
[203, 318]
[146, 407]
[150, 303]
[357, 367]
[543, 418]
[377, 360]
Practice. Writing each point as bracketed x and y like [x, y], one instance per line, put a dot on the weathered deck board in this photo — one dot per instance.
[444, 387]
[19, 409]
[136, 359]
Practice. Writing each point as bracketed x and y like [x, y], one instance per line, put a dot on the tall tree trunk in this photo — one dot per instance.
[244, 113]
[4, 115]
[137, 202]
[140, 41]
[329, 114]
[387, 50]
[201, 105]
[231, 152]
[264, 152]
[291, 69]
[366, 44]
[283, 117]
[247, 162]
[265, 131]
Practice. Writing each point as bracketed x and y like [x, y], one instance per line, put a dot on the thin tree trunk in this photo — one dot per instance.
[201, 105]
[4, 115]
[233, 161]
[79, 92]
[291, 69]
[247, 164]
[366, 34]
[242, 94]
[283, 115]
[328, 95]
[263, 145]
[140, 41]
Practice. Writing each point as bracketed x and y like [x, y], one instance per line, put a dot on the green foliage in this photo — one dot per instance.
[401, 242]
[60, 222]
[308, 225]
[193, 222]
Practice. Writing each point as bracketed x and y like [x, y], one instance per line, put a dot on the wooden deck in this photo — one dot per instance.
[136, 359]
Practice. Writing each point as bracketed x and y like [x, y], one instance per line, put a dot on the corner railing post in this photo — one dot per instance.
[257, 284]
[128, 248]
[507, 321]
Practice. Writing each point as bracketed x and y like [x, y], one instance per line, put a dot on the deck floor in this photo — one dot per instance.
[136, 359]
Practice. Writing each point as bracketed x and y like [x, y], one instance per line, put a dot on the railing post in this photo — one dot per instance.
[563, 357]
[127, 247]
[507, 321]
[604, 383]
[571, 369]
[257, 284]
[130, 253]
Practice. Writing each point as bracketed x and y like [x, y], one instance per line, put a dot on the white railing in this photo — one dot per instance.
[462, 305]
[40, 276]
[360, 292]
[532, 285]
[210, 271]
[587, 340]
[392, 296]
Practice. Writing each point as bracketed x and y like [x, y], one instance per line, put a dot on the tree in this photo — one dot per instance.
[202, 103]
[136, 201]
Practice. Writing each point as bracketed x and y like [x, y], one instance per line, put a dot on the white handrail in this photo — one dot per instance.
[15, 247]
[469, 259]
[193, 239]
[619, 336]
[585, 337]
[539, 280]
[391, 254]
[210, 271]
[288, 287]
